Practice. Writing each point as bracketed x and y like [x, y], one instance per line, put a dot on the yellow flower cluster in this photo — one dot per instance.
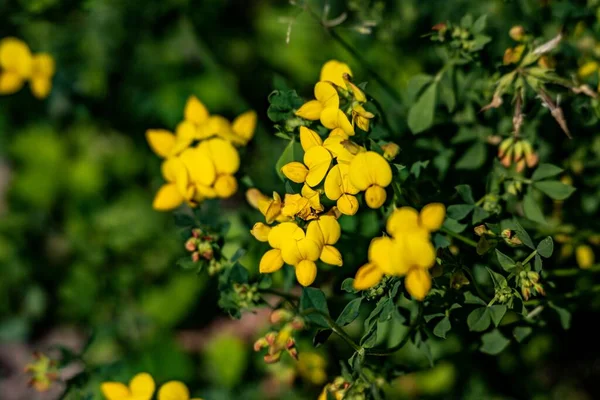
[344, 167]
[294, 245]
[200, 157]
[18, 65]
[408, 250]
[142, 387]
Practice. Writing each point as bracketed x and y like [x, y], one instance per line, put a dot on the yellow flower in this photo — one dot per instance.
[174, 390]
[513, 55]
[584, 256]
[361, 117]
[339, 187]
[588, 69]
[334, 118]
[43, 69]
[261, 231]
[272, 260]
[408, 252]
[269, 207]
[370, 172]
[341, 148]
[173, 193]
[326, 98]
[244, 126]
[330, 231]
[333, 71]
[141, 387]
[317, 160]
[312, 367]
[16, 64]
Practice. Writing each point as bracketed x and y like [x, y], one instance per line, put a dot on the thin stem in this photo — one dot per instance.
[338, 330]
[478, 289]
[287, 296]
[529, 257]
[459, 237]
[403, 341]
[573, 271]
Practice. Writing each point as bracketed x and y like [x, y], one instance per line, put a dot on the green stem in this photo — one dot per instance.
[459, 237]
[338, 330]
[529, 257]
[478, 289]
[386, 352]
[573, 271]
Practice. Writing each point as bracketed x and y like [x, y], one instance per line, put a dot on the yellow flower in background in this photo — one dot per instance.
[141, 387]
[408, 250]
[370, 172]
[584, 255]
[174, 390]
[312, 367]
[17, 65]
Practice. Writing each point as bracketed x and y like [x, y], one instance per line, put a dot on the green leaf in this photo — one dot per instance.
[532, 210]
[420, 116]
[313, 298]
[537, 263]
[555, 189]
[442, 327]
[459, 211]
[429, 317]
[239, 253]
[350, 312]
[447, 95]
[292, 152]
[473, 158]
[505, 261]
[470, 298]
[479, 319]
[453, 225]
[521, 332]
[479, 24]
[415, 169]
[545, 247]
[498, 279]
[523, 235]
[479, 214]
[484, 245]
[497, 312]
[282, 104]
[188, 263]
[493, 342]
[348, 285]
[544, 171]
[465, 193]
[466, 21]
[415, 86]
[563, 314]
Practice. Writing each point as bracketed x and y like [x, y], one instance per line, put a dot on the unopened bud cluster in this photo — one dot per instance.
[246, 295]
[43, 371]
[378, 290]
[517, 151]
[204, 248]
[529, 283]
[282, 341]
[504, 295]
[510, 238]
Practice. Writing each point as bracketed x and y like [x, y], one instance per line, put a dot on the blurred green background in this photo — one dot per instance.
[81, 249]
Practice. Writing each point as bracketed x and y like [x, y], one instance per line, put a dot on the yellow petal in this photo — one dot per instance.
[43, 65]
[15, 56]
[347, 204]
[225, 186]
[432, 216]
[174, 171]
[294, 204]
[333, 71]
[224, 156]
[369, 168]
[270, 208]
[295, 171]
[313, 197]
[142, 386]
[285, 230]
[311, 110]
[332, 118]
[306, 272]
[418, 283]
[330, 229]
[40, 86]
[114, 391]
[386, 254]
[333, 183]
[418, 251]
[327, 95]
[375, 196]
[584, 255]
[161, 141]
[216, 125]
[338, 132]
[173, 390]
[332, 256]
[261, 231]
[10, 82]
[359, 95]
[245, 125]
[253, 196]
[317, 159]
[195, 111]
[293, 251]
[335, 144]
[271, 261]
[367, 276]
[309, 138]
[205, 192]
[314, 233]
[199, 165]
[167, 198]
[403, 219]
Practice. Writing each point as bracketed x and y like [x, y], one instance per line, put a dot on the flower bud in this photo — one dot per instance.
[533, 276]
[504, 146]
[191, 244]
[458, 280]
[195, 256]
[390, 151]
[295, 171]
[517, 33]
[539, 289]
[518, 151]
[196, 232]
[271, 337]
[272, 358]
[225, 186]
[375, 196]
[294, 353]
[261, 231]
[280, 315]
[261, 343]
[208, 254]
[298, 324]
[525, 292]
[480, 230]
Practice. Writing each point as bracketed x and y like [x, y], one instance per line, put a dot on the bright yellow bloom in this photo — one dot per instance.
[334, 118]
[333, 71]
[261, 231]
[370, 172]
[312, 367]
[18, 65]
[342, 149]
[361, 117]
[141, 387]
[407, 252]
[326, 98]
[584, 256]
[244, 126]
[174, 390]
[317, 160]
[173, 193]
[588, 69]
[339, 187]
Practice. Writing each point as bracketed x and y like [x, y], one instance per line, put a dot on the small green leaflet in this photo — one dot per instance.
[421, 114]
